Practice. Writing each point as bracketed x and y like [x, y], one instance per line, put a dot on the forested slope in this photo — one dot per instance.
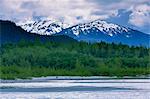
[26, 59]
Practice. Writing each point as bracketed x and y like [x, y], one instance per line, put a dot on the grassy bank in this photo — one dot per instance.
[13, 72]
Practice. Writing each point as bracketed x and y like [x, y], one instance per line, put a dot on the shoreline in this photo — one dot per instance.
[48, 78]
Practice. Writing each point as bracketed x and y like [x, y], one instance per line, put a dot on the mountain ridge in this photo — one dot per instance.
[95, 31]
[11, 33]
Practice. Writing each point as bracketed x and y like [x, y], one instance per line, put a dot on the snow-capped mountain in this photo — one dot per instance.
[49, 27]
[94, 31]
[98, 25]
[10, 33]
[44, 26]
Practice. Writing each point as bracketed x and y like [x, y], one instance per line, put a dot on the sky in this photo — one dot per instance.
[130, 13]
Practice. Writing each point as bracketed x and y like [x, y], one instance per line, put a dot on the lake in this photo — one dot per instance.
[75, 88]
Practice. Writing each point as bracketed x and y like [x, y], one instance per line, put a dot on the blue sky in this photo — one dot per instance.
[130, 13]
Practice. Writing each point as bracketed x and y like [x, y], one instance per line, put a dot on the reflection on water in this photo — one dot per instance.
[75, 89]
[64, 89]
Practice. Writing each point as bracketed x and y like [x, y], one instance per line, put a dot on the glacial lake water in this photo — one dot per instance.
[76, 89]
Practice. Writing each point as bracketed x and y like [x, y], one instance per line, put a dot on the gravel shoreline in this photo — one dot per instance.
[44, 79]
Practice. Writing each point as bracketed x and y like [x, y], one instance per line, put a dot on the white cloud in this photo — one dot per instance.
[10, 9]
[69, 10]
[140, 15]
[56, 9]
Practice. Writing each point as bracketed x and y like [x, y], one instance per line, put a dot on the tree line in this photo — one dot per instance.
[73, 58]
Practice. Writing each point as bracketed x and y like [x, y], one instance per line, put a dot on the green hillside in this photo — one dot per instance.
[35, 59]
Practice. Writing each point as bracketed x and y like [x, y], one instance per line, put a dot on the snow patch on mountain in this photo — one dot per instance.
[103, 26]
[43, 26]
[49, 26]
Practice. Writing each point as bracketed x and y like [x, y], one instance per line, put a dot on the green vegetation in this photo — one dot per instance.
[35, 59]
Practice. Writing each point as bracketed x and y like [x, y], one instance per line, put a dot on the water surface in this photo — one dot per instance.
[76, 89]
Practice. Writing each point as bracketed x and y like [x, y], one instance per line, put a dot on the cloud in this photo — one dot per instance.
[135, 13]
[75, 11]
[140, 15]
[11, 10]
[69, 10]
[122, 17]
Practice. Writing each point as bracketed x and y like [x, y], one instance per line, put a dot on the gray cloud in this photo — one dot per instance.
[29, 5]
[72, 11]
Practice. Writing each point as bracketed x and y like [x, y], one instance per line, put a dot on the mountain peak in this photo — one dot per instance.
[44, 26]
[47, 26]
[100, 25]
[94, 31]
